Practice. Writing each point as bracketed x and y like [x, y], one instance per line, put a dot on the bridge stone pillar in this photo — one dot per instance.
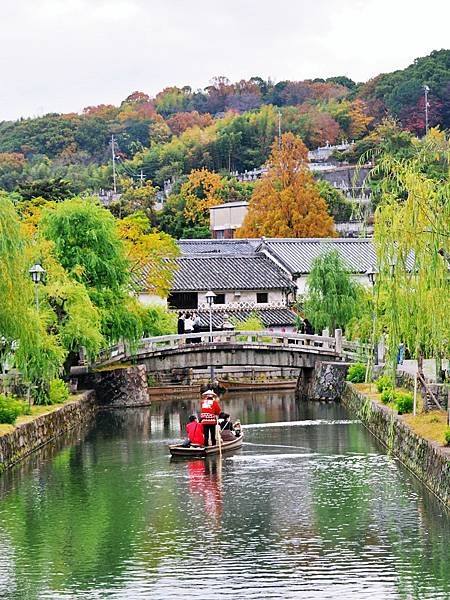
[118, 388]
[304, 381]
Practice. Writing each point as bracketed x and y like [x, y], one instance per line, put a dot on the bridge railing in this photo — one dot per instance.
[153, 344]
[334, 346]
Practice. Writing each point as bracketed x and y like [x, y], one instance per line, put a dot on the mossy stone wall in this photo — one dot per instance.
[427, 460]
[28, 437]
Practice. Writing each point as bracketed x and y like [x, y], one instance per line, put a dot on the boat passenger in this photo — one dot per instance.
[209, 411]
[226, 427]
[195, 431]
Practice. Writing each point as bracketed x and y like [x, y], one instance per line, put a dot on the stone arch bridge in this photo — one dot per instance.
[264, 349]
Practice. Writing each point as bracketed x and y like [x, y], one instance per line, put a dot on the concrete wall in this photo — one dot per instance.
[227, 216]
[30, 436]
[428, 461]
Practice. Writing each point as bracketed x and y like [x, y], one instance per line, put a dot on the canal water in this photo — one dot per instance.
[312, 507]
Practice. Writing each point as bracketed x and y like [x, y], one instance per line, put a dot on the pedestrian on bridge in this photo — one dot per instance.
[180, 323]
[209, 411]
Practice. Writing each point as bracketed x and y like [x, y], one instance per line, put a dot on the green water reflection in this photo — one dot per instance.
[310, 508]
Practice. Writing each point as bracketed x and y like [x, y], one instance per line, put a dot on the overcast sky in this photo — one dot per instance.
[63, 55]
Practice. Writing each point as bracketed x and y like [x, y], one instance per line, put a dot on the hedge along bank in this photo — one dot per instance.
[428, 461]
[28, 437]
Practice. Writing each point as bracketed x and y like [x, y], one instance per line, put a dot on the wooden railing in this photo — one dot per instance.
[334, 346]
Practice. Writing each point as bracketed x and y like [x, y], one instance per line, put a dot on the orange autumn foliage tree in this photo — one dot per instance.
[286, 202]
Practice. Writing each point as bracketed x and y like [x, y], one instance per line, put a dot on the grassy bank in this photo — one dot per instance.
[430, 425]
[36, 411]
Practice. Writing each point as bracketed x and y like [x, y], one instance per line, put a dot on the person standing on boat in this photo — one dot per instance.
[209, 411]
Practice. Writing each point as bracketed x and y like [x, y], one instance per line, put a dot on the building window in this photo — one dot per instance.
[219, 299]
[183, 300]
[262, 297]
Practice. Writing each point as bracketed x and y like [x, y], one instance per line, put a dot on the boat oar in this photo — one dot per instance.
[219, 437]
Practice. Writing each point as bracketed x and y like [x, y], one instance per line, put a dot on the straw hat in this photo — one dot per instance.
[209, 393]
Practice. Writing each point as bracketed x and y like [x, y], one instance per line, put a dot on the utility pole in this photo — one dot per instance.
[279, 129]
[426, 89]
[113, 143]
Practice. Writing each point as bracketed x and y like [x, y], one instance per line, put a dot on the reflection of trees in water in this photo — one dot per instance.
[86, 511]
[134, 422]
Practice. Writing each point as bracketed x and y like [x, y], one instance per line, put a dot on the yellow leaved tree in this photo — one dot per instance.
[200, 192]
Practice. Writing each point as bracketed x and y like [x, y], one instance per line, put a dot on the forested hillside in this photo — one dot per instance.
[224, 128]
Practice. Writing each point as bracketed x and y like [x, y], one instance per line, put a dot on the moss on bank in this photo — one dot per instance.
[430, 425]
[36, 411]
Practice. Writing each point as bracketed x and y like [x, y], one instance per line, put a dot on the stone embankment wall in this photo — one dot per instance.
[28, 437]
[120, 387]
[428, 461]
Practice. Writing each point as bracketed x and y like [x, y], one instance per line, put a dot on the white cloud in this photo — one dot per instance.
[62, 55]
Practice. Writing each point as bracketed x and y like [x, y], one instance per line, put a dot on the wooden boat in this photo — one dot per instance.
[201, 451]
[234, 386]
[171, 392]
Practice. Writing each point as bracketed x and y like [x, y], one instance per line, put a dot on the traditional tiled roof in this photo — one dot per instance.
[270, 317]
[296, 255]
[237, 247]
[228, 272]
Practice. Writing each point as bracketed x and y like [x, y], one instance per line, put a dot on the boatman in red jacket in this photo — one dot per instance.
[209, 411]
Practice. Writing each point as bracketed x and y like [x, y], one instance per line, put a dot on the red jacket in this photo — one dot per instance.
[209, 410]
[195, 433]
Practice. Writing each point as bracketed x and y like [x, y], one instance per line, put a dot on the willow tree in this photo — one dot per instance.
[333, 296]
[38, 353]
[87, 245]
[412, 239]
[286, 201]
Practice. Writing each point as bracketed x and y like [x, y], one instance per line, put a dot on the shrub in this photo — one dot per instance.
[384, 383]
[58, 391]
[404, 402]
[357, 373]
[447, 436]
[10, 409]
[387, 395]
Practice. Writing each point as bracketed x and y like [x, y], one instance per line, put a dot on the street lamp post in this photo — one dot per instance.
[371, 275]
[36, 273]
[426, 89]
[210, 295]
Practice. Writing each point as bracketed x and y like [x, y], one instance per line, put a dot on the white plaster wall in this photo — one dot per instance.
[245, 296]
[302, 282]
[147, 299]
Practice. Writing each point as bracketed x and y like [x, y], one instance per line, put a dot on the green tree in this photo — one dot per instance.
[39, 355]
[413, 248]
[332, 297]
[338, 206]
[88, 246]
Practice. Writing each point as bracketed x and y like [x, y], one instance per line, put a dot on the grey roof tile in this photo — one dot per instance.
[237, 247]
[228, 272]
[297, 254]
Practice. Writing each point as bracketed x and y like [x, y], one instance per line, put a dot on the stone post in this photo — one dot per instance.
[338, 338]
